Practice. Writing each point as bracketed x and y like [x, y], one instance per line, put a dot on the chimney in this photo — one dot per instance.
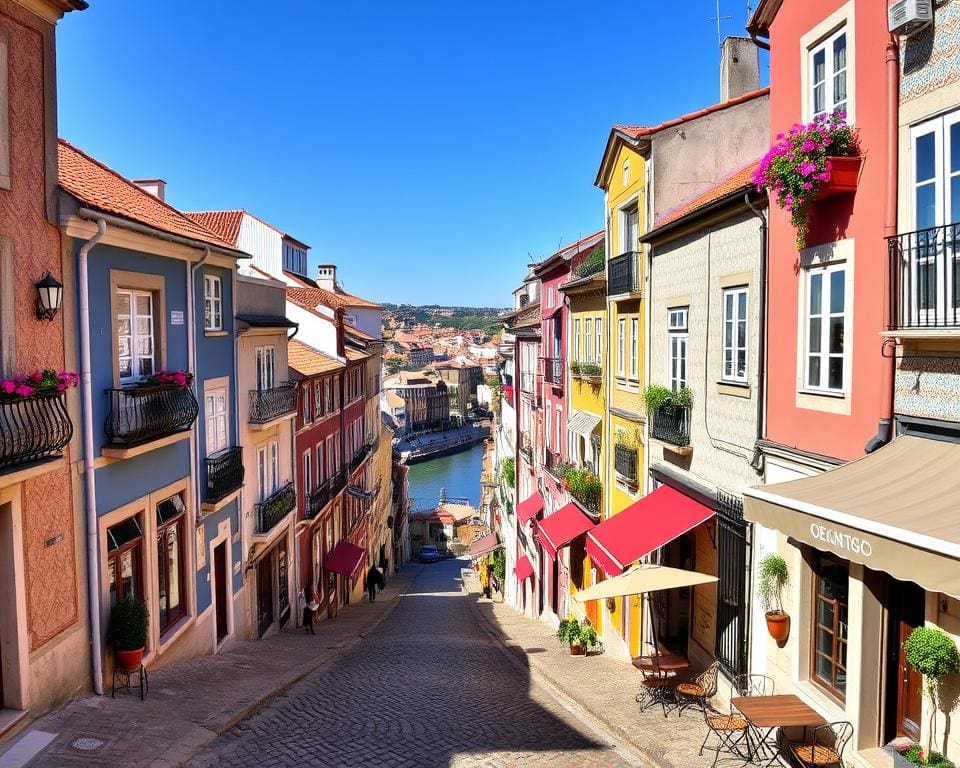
[156, 187]
[327, 276]
[739, 67]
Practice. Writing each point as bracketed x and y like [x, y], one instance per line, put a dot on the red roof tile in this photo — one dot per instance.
[310, 294]
[636, 131]
[224, 223]
[97, 186]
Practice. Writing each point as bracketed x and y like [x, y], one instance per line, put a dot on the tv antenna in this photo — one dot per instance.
[718, 18]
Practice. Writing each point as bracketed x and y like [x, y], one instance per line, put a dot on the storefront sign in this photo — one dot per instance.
[844, 541]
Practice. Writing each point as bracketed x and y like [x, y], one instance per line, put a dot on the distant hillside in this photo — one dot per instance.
[461, 318]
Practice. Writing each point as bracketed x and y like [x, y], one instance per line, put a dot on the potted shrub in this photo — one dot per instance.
[917, 755]
[933, 653]
[128, 631]
[588, 638]
[774, 578]
[568, 633]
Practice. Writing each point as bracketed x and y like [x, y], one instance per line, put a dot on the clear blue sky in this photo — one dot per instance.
[426, 147]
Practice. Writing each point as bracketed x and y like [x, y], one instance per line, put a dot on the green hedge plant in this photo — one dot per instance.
[128, 624]
[932, 653]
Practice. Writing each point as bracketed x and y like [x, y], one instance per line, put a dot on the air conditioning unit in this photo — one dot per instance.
[905, 17]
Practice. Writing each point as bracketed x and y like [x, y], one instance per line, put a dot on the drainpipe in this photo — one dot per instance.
[89, 474]
[192, 356]
[757, 461]
[889, 363]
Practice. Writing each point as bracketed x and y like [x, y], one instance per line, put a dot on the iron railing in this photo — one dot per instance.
[269, 404]
[733, 586]
[624, 274]
[925, 278]
[224, 474]
[140, 414]
[553, 371]
[555, 464]
[33, 428]
[274, 508]
[671, 424]
[625, 461]
[323, 494]
[360, 456]
[528, 383]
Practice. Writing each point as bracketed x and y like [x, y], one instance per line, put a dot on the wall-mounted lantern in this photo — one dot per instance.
[49, 296]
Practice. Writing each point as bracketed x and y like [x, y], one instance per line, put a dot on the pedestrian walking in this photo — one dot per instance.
[310, 605]
[373, 581]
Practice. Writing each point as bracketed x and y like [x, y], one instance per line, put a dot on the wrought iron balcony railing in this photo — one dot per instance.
[274, 508]
[360, 456]
[269, 404]
[528, 383]
[625, 461]
[925, 278]
[33, 429]
[555, 463]
[624, 274]
[141, 414]
[671, 424]
[224, 474]
[553, 371]
[324, 494]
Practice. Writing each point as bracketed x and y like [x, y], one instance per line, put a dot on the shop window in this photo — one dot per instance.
[125, 560]
[170, 566]
[829, 642]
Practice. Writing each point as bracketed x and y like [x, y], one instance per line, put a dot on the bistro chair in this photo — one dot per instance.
[657, 688]
[753, 685]
[729, 729]
[825, 748]
[698, 691]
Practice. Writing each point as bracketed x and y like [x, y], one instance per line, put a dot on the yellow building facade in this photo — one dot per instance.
[623, 177]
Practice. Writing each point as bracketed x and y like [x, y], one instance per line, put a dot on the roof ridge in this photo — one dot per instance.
[643, 130]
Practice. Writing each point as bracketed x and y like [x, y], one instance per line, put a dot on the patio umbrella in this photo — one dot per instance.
[641, 579]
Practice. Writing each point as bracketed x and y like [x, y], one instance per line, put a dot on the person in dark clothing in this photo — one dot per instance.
[310, 606]
[374, 579]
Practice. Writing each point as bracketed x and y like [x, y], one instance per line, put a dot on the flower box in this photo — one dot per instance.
[844, 177]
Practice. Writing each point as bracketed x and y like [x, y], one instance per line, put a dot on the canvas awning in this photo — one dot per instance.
[562, 527]
[583, 423]
[648, 524]
[641, 579]
[523, 569]
[484, 545]
[529, 509]
[895, 510]
[345, 559]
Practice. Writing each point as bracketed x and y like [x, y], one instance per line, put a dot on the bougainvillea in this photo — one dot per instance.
[37, 383]
[798, 164]
[179, 379]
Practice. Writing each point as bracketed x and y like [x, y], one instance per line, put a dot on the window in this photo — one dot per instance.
[587, 351]
[331, 465]
[629, 228]
[598, 356]
[826, 323]
[575, 352]
[828, 74]
[215, 408]
[621, 352]
[307, 472]
[735, 302]
[268, 470]
[307, 403]
[125, 560]
[266, 367]
[559, 437]
[634, 347]
[829, 642]
[318, 399]
[678, 339]
[321, 467]
[212, 303]
[135, 334]
[549, 431]
[170, 518]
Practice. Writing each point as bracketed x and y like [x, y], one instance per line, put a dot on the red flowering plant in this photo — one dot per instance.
[37, 383]
[798, 164]
[168, 379]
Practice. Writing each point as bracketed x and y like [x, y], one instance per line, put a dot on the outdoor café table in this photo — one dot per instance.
[665, 661]
[768, 713]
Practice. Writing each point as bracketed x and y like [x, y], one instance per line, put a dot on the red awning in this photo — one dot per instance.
[644, 526]
[562, 527]
[345, 559]
[529, 509]
[484, 545]
[523, 569]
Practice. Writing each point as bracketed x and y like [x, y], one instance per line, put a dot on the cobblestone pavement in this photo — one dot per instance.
[429, 687]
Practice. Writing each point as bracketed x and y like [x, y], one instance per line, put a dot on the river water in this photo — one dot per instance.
[458, 474]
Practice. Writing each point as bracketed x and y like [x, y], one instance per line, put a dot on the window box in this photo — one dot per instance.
[671, 424]
[844, 177]
[33, 429]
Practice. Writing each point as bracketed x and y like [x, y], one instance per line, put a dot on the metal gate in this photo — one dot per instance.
[733, 598]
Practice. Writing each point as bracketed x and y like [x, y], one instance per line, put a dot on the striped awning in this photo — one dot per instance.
[583, 423]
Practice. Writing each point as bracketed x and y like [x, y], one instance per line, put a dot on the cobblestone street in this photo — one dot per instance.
[428, 688]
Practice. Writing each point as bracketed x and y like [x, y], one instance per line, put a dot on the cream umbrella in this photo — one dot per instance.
[641, 579]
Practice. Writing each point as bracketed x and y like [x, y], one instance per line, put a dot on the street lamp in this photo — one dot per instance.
[49, 296]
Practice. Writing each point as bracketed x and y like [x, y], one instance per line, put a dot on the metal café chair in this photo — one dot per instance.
[754, 685]
[657, 687]
[698, 691]
[825, 748]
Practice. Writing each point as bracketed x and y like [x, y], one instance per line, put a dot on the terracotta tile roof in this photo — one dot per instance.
[358, 334]
[308, 361]
[355, 355]
[333, 299]
[569, 251]
[224, 223]
[311, 298]
[97, 186]
[636, 131]
[738, 181]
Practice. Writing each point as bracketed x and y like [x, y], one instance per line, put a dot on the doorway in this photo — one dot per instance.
[672, 606]
[265, 594]
[905, 611]
[220, 581]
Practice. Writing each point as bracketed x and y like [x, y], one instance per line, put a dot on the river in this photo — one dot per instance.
[458, 474]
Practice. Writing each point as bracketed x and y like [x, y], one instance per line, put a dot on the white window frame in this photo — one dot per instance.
[598, 331]
[307, 472]
[307, 403]
[268, 469]
[216, 420]
[321, 465]
[137, 370]
[621, 348]
[548, 430]
[823, 353]
[266, 359]
[625, 245]
[575, 341]
[212, 303]
[678, 338]
[559, 431]
[587, 351]
[635, 348]
[735, 356]
[825, 46]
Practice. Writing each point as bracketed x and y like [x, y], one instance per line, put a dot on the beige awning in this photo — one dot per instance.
[896, 511]
[583, 423]
[643, 578]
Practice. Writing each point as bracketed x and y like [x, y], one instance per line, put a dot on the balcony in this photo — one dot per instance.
[528, 383]
[140, 415]
[224, 474]
[555, 464]
[268, 405]
[925, 281]
[624, 274]
[326, 492]
[585, 488]
[625, 462]
[33, 429]
[671, 424]
[553, 371]
[273, 509]
[360, 456]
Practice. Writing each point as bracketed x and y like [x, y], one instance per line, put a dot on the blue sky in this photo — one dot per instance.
[427, 147]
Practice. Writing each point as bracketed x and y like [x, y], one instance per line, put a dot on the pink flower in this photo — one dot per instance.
[23, 390]
[806, 168]
[8, 387]
[808, 146]
[61, 387]
[807, 186]
[36, 377]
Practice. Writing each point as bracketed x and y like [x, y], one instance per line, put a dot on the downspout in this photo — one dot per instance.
[192, 355]
[89, 474]
[757, 461]
[759, 43]
[889, 363]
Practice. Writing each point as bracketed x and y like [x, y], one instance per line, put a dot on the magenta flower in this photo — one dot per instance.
[23, 390]
[8, 387]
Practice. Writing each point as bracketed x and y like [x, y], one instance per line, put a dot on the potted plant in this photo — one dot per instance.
[568, 633]
[38, 383]
[774, 578]
[128, 630]
[588, 638]
[933, 653]
[917, 755]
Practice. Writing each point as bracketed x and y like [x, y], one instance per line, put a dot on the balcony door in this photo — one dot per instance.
[932, 253]
[215, 407]
[630, 228]
[266, 367]
[135, 335]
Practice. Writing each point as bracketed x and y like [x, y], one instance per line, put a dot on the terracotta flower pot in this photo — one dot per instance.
[130, 659]
[844, 177]
[778, 625]
[576, 650]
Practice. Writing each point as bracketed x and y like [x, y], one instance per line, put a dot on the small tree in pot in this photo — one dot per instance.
[774, 578]
[128, 630]
[933, 653]
[568, 633]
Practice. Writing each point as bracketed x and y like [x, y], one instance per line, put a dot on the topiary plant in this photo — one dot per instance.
[128, 624]
[933, 653]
